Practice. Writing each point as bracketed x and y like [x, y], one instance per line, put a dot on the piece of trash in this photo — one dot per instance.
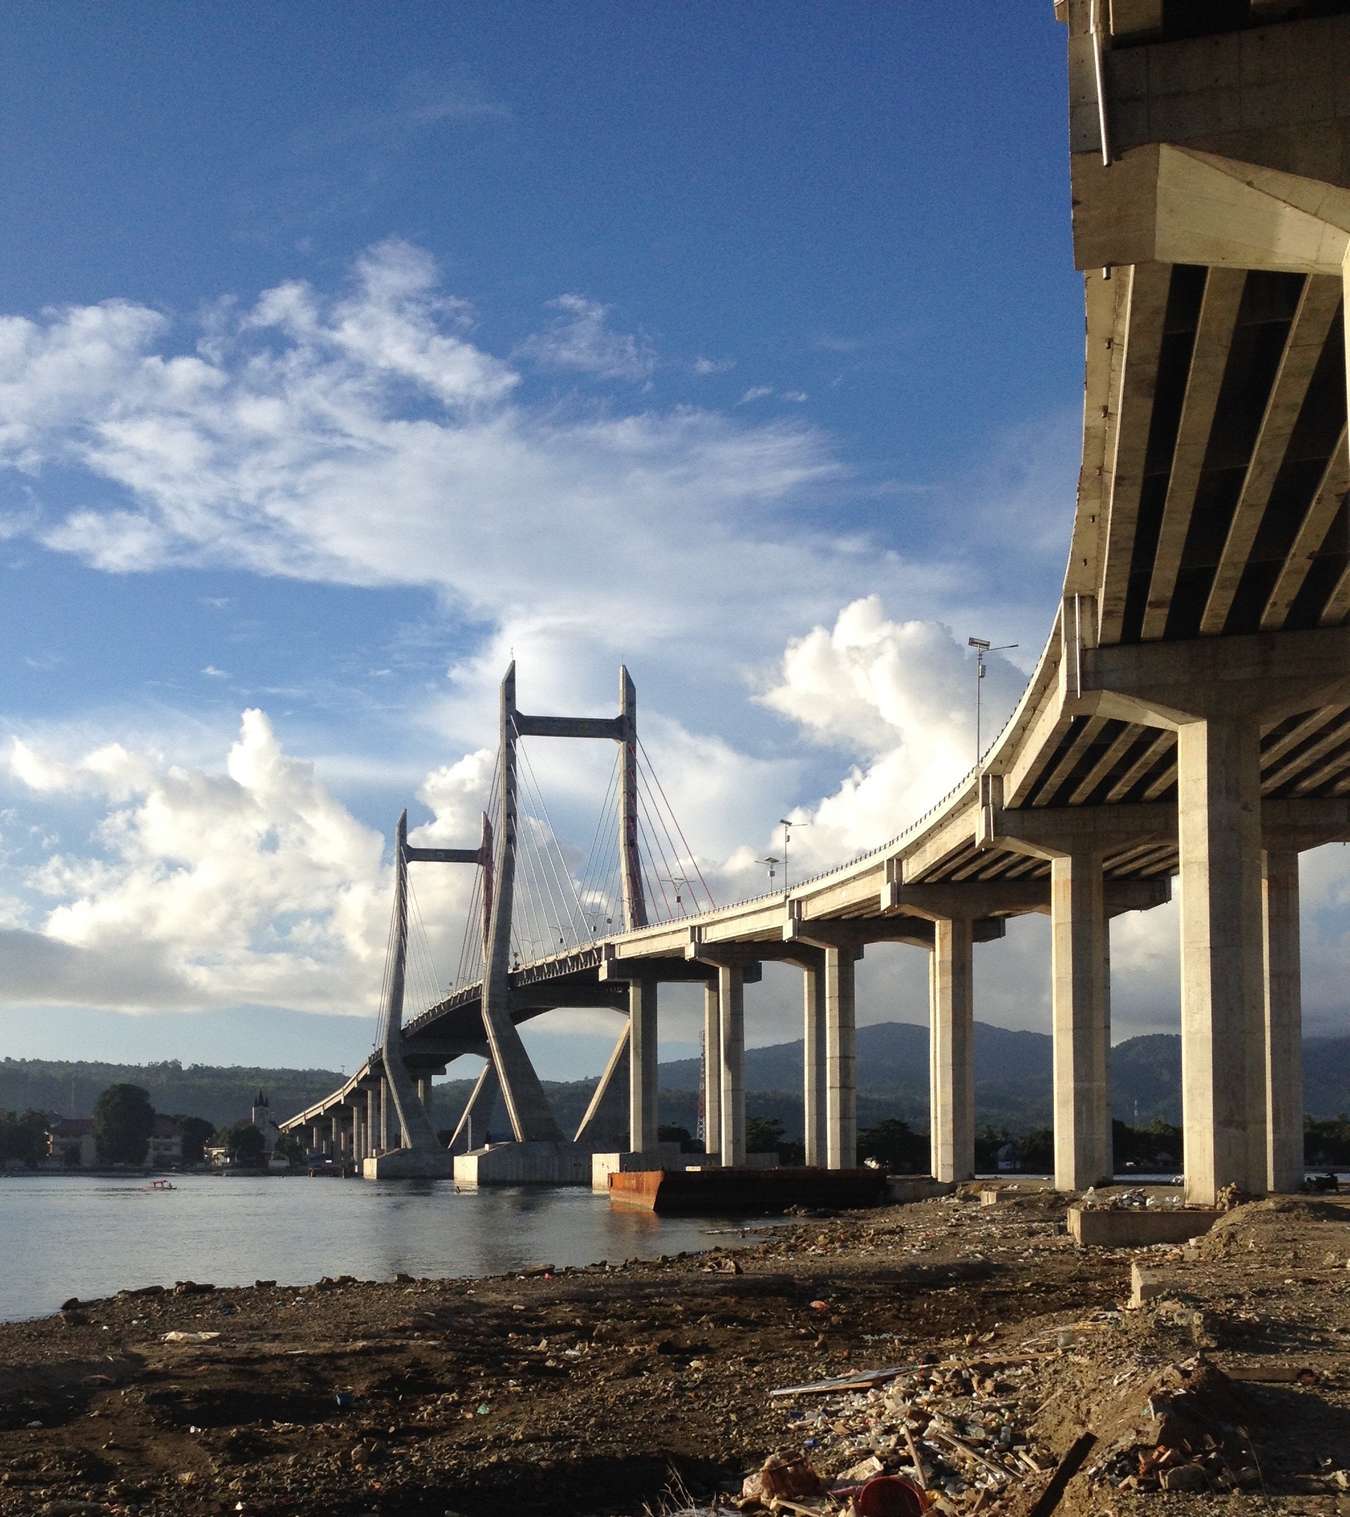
[890, 1496]
[859, 1380]
[784, 1476]
[865, 1469]
[179, 1337]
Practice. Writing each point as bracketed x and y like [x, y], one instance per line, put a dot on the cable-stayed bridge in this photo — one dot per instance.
[1188, 718]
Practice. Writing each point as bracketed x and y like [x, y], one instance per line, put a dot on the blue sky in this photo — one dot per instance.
[346, 349]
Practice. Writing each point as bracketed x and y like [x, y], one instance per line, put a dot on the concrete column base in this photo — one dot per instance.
[408, 1164]
[534, 1163]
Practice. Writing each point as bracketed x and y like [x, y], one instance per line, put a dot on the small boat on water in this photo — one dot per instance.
[162, 1185]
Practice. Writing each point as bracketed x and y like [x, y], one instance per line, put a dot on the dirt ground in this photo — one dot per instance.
[646, 1387]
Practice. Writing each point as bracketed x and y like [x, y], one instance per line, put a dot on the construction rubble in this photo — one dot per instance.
[944, 1356]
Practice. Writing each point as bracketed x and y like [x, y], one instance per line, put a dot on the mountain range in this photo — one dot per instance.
[1012, 1082]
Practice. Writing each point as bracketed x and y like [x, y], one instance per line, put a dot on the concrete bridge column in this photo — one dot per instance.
[731, 1046]
[841, 1088]
[384, 1115]
[642, 1080]
[424, 1092]
[1284, 1020]
[358, 1134]
[1223, 1032]
[712, 1072]
[951, 1072]
[315, 1137]
[1081, 1019]
[335, 1135]
[372, 1120]
[814, 1075]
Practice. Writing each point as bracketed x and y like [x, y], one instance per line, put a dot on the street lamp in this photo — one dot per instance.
[680, 883]
[772, 864]
[787, 824]
[981, 647]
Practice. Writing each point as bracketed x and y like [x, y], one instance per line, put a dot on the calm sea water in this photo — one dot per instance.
[70, 1235]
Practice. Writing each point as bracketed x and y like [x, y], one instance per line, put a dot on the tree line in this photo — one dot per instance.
[123, 1124]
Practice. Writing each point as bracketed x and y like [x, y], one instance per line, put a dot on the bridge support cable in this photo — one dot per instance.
[661, 814]
[551, 868]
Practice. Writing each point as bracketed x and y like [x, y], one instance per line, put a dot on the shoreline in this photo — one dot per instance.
[613, 1388]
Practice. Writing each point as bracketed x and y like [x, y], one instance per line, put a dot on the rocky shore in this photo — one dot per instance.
[974, 1346]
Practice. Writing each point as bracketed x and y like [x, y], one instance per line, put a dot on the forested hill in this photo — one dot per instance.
[1012, 1082]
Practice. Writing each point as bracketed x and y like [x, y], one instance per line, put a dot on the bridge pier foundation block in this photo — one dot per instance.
[660, 1156]
[533, 1163]
[408, 1164]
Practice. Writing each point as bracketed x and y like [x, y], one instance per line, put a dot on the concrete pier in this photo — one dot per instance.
[1223, 1037]
[1080, 975]
[731, 1017]
[841, 1084]
[712, 1071]
[642, 1064]
[814, 1072]
[951, 1050]
[1284, 1020]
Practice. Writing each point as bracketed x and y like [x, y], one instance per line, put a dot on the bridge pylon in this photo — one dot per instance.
[542, 1151]
[418, 1153]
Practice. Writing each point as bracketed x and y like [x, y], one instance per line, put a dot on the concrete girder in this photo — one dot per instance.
[947, 836]
[762, 921]
[1263, 676]
[1016, 897]
[1317, 309]
[690, 967]
[1209, 360]
[1161, 203]
[916, 929]
[860, 889]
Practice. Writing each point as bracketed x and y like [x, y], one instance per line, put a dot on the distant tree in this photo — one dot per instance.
[670, 1133]
[292, 1147]
[197, 1132]
[23, 1138]
[763, 1135]
[123, 1122]
[1036, 1150]
[245, 1143]
[895, 1144]
[988, 1141]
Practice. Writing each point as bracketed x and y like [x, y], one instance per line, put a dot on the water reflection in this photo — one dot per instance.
[70, 1236]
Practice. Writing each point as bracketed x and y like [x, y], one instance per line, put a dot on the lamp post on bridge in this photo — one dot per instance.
[787, 825]
[981, 647]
